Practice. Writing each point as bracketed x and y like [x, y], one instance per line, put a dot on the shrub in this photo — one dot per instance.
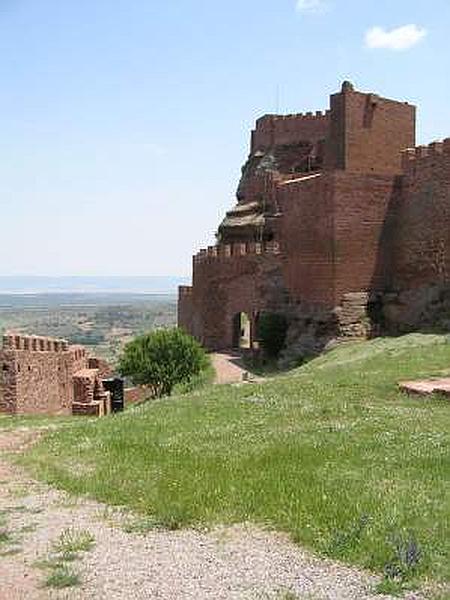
[162, 359]
[272, 329]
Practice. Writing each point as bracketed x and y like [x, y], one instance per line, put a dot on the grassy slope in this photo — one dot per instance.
[331, 453]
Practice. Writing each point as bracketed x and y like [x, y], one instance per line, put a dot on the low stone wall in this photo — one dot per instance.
[136, 394]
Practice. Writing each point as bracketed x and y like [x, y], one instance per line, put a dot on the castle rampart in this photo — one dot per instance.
[236, 250]
[273, 130]
[426, 161]
[37, 375]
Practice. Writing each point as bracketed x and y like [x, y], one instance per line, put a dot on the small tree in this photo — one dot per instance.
[162, 359]
[271, 332]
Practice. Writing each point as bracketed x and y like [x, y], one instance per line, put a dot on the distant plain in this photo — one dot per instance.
[110, 313]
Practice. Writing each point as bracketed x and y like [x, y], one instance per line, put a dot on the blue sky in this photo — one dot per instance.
[124, 123]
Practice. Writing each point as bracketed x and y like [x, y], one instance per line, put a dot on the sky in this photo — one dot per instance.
[124, 123]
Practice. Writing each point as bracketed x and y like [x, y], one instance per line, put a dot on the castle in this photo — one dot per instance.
[47, 376]
[341, 224]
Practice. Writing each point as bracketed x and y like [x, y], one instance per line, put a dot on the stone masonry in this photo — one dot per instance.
[341, 224]
[47, 376]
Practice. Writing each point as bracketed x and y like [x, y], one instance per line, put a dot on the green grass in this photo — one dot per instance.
[5, 536]
[72, 541]
[65, 549]
[61, 577]
[331, 453]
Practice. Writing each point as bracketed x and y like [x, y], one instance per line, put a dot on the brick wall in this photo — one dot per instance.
[47, 376]
[418, 295]
[362, 207]
[334, 234]
[229, 279]
[306, 234]
[136, 394]
[422, 249]
[37, 374]
[276, 130]
[185, 308]
[103, 368]
[368, 133]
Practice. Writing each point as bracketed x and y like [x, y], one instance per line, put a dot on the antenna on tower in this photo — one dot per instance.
[277, 99]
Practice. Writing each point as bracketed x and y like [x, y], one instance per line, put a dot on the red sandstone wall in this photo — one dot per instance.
[362, 206]
[136, 394]
[368, 133]
[422, 248]
[104, 369]
[272, 130]
[185, 308]
[333, 235]
[237, 279]
[8, 383]
[37, 375]
[306, 233]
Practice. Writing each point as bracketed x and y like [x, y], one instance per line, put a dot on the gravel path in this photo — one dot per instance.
[229, 563]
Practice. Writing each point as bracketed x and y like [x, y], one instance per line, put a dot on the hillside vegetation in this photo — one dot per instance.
[331, 453]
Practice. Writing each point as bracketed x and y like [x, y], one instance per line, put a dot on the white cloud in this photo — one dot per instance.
[400, 38]
[311, 6]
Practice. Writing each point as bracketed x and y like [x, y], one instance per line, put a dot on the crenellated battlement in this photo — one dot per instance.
[225, 251]
[38, 376]
[421, 158]
[270, 119]
[32, 343]
[273, 130]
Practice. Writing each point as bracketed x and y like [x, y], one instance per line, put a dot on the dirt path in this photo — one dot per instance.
[229, 563]
[229, 367]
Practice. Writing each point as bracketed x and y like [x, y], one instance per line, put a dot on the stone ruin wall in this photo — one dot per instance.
[37, 376]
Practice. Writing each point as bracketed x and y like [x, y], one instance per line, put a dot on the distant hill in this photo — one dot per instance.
[90, 284]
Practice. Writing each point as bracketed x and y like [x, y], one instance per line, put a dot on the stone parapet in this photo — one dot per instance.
[268, 120]
[421, 158]
[32, 343]
[273, 130]
[226, 251]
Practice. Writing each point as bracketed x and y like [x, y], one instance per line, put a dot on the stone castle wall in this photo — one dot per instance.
[306, 234]
[37, 375]
[419, 291]
[368, 133]
[278, 130]
[227, 280]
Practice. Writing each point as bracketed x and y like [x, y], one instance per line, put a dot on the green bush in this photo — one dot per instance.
[162, 359]
[272, 329]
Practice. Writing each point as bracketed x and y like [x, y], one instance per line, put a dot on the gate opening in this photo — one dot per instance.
[241, 331]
